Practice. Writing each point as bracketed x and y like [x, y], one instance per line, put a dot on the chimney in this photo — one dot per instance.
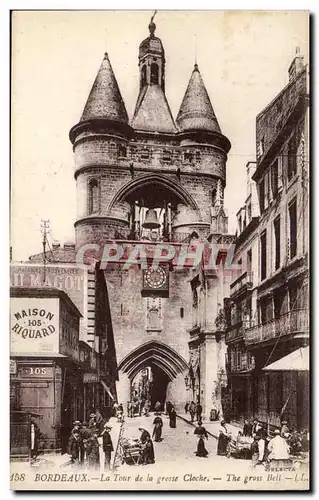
[296, 66]
[55, 245]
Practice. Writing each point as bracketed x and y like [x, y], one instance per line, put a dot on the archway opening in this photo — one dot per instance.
[163, 366]
[150, 384]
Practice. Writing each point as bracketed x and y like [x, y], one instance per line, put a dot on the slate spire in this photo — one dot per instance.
[196, 111]
[105, 100]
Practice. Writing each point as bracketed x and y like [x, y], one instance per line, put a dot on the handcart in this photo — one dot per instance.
[131, 451]
[239, 447]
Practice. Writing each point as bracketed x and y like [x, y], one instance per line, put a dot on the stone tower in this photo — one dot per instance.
[145, 182]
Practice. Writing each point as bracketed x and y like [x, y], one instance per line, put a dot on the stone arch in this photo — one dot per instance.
[157, 353]
[149, 179]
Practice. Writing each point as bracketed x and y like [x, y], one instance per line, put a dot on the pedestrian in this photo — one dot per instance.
[93, 452]
[247, 429]
[157, 431]
[223, 439]
[92, 420]
[107, 446]
[99, 419]
[157, 407]
[284, 431]
[128, 408]
[144, 435]
[199, 410]
[172, 418]
[169, 407]
[85, 434]
[278, 450]
[201, 433]
[192, 410]
[74, 447]
[147, 448]
[254, 448]
[256, 427]
[186, 407]
[147, 408]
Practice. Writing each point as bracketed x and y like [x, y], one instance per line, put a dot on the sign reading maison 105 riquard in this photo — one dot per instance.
[34, 327]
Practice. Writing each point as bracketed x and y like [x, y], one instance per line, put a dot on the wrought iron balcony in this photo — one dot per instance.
[293, 322]
[244, 282]
[236, 330]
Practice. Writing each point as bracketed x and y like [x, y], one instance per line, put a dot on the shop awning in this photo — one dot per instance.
[107, 389]
[295, 361]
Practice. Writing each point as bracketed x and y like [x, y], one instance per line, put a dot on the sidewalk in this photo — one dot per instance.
[211, 427]
[56, 460]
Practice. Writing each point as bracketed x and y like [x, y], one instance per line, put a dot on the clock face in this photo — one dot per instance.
[155, 277]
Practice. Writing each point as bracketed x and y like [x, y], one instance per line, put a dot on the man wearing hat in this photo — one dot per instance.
[107, 445]
[92, 420]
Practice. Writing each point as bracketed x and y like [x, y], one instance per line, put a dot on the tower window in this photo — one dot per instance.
[143, 76]
[188, 156]
[93, 196]
[122, 151]
[182, 312]
[154, 73]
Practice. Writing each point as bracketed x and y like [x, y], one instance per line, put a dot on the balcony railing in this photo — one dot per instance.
[296, 321]
[236, 331]
[245, 280]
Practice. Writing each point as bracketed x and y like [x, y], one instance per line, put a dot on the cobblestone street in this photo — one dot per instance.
[175, 454]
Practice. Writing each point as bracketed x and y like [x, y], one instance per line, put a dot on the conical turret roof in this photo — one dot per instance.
[105, 100]
[196, 111]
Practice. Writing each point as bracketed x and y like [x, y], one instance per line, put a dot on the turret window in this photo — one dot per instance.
[143, 76]
[93, 196]
[188, 157]
[154, 73]
[122, 151]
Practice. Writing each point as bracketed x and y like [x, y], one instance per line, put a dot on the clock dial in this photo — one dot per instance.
[155, 277]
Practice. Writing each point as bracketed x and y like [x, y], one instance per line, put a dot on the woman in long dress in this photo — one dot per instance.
[223, 439]
[157, 431]
[147, 453]
[172, 418]
[201, 432]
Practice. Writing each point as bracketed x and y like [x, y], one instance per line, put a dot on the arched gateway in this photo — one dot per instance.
[160, 364]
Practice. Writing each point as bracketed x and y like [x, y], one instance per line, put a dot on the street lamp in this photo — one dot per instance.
[186, 378]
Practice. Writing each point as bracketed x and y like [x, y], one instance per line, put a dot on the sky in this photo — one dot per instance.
[243, 57]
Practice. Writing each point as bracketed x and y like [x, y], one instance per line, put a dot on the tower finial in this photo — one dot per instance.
[195, 50]
[152, 25]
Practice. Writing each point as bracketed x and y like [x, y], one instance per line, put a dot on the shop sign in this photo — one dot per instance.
[34, 326]
[35, 371]
[89, 378]
[13, 367]
[69, 278]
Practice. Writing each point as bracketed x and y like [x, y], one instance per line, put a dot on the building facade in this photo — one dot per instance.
[268, 310]
[142, 183]
[46, 373]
